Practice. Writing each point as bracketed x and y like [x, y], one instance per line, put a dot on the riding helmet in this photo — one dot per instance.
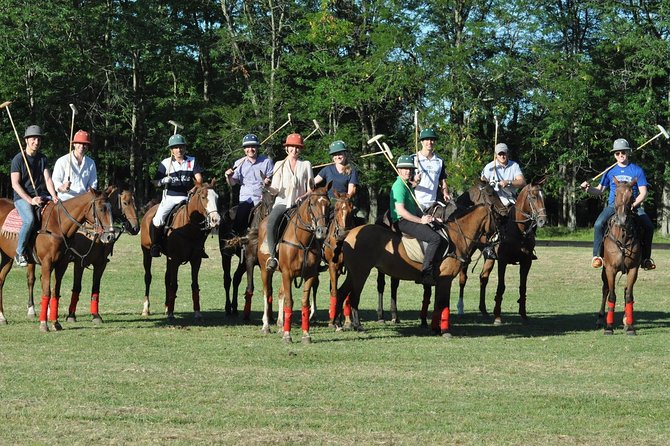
[427, 134]
[82, 137]
[176, 140]
[33, 130]
[250, 140]
[620, 144]
[405, 161]
[294, 139]
[337, 147]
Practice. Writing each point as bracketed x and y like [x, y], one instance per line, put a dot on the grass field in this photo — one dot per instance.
[135, 380]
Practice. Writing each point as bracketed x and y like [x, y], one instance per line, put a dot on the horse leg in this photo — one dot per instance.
[250, 263]
[5, 266]
[314, 289]
[611, 301]
[628, 320]
[30, 279]
[266, 278]
[76, 290]
[286, 294]
[226, 261]
[381, 283]
[146, 262]
[305, 310]
[196, 262]
[59, 272]
[395, 283]
[483, 282]
[98, 270]
[524, 269]
[500, 291]
[237, 279]
[600, 322]
[443, 296]
[425, 304]
[171, 274]
[46, 294]
[462, 280]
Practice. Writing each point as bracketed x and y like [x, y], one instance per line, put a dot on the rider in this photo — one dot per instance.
[178, 174]
[291, 180]
[252, 172]
[431, 175]
[506, 178]
[405, 213]
[30, 181]
[75, 172]
[342, 174]
[624, 170]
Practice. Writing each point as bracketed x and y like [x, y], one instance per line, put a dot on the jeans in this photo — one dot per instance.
[642, 219]
[273, 220]
[27, 214]
[241, 222]
[425, 234]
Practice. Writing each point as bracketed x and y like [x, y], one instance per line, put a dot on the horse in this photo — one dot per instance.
[231, 244]
[371, 246]
[480, 193]
[516, 246]
[85, 249]
[299, 258]
[59, 222]
[622, 254]
[184, 242]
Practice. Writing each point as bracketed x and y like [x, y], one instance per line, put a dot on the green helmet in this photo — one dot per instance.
[427, 134]
[176, 140]
[405, 161]
[337, 147]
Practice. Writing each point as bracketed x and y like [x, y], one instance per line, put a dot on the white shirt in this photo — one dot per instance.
[81, 178]
[508, 173]
[430, 169]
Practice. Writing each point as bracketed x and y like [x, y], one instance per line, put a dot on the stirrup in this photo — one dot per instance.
[648, 264]
[271, 264]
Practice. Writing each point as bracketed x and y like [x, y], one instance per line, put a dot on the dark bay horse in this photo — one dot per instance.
[479, 193]
[231, 244]
[183, 242]
[622, 254]
[59, 222]
[376, 246]
[85, 250]
[299, 258]
[516, 247]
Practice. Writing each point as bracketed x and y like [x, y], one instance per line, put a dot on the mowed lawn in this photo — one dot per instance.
[137, 380]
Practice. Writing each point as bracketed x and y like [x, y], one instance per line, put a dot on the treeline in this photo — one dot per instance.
[564, 78]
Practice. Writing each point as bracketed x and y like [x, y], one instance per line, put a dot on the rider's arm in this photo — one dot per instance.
[406, 215]
[50, 185]
[597, 190]
[640, 197]
[16, 185]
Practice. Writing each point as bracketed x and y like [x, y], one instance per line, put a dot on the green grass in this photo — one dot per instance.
[555, 380]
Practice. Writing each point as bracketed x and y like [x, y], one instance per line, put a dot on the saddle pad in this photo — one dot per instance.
[12, 224]
[413, 248]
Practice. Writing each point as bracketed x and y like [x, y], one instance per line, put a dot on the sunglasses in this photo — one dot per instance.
[620, 153]
[502, 154]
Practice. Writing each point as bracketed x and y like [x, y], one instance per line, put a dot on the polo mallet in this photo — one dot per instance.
[416, 130]
[661, 132]
[317, 128]
[495, 143]
[278, 129]
[176, 125]
[383, 150]
[5, 105]
[69, 166]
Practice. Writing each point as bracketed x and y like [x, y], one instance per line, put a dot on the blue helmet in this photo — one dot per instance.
[250, 140]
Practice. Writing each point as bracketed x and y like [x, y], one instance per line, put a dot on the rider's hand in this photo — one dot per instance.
[585, 185]
[65, 187]
[229, 172]
[166, 180]
[425, 219]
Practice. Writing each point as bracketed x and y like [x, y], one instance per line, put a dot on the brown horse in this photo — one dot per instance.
[85, 249]
[480, 193]
[517, 246]
[183, 242]
[299, 258]
[231, 244]
[622, 254]
[59, 222]
[371, 246]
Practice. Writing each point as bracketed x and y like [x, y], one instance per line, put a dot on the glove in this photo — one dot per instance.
[493, 182]
[166, 180]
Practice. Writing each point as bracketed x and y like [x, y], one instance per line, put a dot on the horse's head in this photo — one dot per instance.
[343, 217]
[530, 203]
[203, 200]
[484, 193]
[313, 212]
[623, 201]
[123, 207]
[99, 214]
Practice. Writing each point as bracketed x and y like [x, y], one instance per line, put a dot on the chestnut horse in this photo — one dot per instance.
[299, 258]
[622, 254]
[85, 249]
[231, 244]
[480, 193]
[184, 242]
[516, 246]
[371, 246]
[59, 222]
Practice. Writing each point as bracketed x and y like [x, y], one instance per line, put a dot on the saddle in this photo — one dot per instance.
[414, 247]
[279, 231]
[12, 226]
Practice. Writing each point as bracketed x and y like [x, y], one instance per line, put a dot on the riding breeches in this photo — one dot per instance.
[241, 222]
[425, 234]
[164, 208]
[273, 220]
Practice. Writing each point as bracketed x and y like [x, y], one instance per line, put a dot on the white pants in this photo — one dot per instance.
[164, 208]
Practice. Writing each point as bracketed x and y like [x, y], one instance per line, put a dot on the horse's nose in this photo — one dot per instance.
[541, 221]
[214, 219]
[107, 236]
[341, 235]
[321, 232]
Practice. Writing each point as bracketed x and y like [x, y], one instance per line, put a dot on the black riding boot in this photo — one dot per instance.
[156, 234]
[489, 253]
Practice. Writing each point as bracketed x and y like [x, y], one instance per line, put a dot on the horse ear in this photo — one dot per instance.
[541, 181]
[615, 180]
[634, 182]
[213, 182]
[312, 185]
[110, 190]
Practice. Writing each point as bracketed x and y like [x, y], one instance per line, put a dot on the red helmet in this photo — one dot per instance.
[294, 139]
[82, 137]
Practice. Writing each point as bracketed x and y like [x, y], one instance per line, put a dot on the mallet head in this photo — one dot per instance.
[5, 104]
[387, 150]
[375, 138]
[175, 124]
[74, 109]
[664, 132]
[318, 127]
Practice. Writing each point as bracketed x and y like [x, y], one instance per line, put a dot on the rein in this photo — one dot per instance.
[480, 232]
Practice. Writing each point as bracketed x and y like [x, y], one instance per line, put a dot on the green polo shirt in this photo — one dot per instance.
[401, 194]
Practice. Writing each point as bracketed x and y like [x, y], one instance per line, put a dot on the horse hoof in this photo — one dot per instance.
[346, 327]
[631, 332]
[71, 318]
[44, 328]
[57, 326]
[379, 321]
[171, 319]
[424, 323]
[31, 312]
[608, 332]
[306, 339]
[265, 330]
[395, 320]
[497, 321]
[146, 313]
[3, 321]
[97, 319]
[446, 335]
[359, 329]
[287, 338]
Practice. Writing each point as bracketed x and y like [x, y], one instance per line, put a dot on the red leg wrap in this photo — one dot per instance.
[628, 311]
[333, 305]
[95, 301]
[44, 308]
[53, 308]
[305, 319]
[269, 300]
[610, 313]
[347, 307]
[444, 320]
[288, 314]
[73, 303]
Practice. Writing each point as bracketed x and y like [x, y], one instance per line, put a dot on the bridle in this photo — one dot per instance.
[199, 205]
[311, 225]
[537, 211]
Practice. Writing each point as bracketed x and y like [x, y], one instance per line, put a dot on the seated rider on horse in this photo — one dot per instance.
[623, 170]
[407, 217]
[506, 178]
[178, 174]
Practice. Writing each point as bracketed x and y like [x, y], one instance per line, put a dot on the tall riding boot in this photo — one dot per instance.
[156, 234]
